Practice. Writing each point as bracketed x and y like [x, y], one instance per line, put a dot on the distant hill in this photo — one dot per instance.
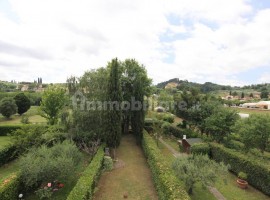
[208, 86]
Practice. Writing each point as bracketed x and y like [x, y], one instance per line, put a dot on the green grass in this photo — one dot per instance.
[69, 184]
[132, 175]
[4, 141]
[233, 192]
[250, 111]
[200, 193]
[172, 142]
[7, 169]
[32, 113]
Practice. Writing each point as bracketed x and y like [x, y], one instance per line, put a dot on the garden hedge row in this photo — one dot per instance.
[6, 129]
[258, 172]
[7, 154]
[84, 188]
[200, 148]
[9, 188]
[167, 185]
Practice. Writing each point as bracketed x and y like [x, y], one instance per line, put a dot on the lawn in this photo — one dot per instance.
[131, 175]
[32, 113]
[4, 141]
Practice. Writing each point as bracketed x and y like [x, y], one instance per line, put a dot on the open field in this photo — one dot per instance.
[250, 111]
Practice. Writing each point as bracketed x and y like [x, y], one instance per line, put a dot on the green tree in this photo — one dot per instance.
[135, 86]
[197, 169]
[254, 131]
[242, 95]
[23, 103]
[234, 94]
[220, 123]
[8, 107]
[53, 101]
[114, 120]
[251, 95]
[264, 93]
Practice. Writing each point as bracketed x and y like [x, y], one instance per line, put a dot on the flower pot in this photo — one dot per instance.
[242, 183]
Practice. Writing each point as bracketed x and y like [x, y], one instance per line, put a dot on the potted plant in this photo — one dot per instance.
[242, 180]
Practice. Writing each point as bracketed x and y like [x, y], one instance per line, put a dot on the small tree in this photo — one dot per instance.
[8, 107]
[220, 123]
[22, 102]
[197, 169]
[254, 131]
[53, 101]
[242, 95]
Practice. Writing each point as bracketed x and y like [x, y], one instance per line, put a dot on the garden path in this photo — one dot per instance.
[131, 176]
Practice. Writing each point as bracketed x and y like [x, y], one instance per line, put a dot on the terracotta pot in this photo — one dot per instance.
[242, 183]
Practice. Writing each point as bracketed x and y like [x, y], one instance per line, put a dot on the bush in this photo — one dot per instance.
[7, 154]
[108, 163]
[167, 185]
[233, 144]
[169, 129]
[242, 175]
[8, 129]
[25, 119]
[84, 188]
[8, 107]
[200, 148]
[258, 172]
[45, 165]
[168, 118]
[22, 102]
[9, 189]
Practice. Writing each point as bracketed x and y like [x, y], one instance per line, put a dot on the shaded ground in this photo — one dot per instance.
[131, 176]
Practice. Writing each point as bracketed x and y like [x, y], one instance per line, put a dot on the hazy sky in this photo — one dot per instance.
[222, 41]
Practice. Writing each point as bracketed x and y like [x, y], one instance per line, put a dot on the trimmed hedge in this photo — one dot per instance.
[84, 188]
[7, 154]
[169, 129]
[258, 172]
[6, 129]
[9, 188]
[200, 148]
[168, 186]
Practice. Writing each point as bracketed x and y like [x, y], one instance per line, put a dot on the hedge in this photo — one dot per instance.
[84, 188]
[169, 129]
[168, 186]
[258, 172]
[7, 154]
[9, 188]
[6, 129]
[200, 148]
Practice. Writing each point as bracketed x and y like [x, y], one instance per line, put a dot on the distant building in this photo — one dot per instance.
[24, 88]
[188, 143]
[259, 105]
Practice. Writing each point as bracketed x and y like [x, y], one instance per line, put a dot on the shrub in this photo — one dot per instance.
[258, 172]
[169, 129]
[84, 188]
[168, 118]
[9, 188]
[108, 163]
[44, 165]
[200, 148]
[167, 185]
[242, 175]
[25, 119]
[8, 107]
[233, 144]
[23, 103]
[8, 129]
[7, 154]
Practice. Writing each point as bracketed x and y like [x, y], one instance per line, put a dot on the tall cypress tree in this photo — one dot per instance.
[114, 118]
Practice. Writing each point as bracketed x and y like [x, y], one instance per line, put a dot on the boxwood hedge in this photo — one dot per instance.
[258, 172]
[9, 188]
[6, 129]
[167, 185]
[7, 154]
[84, 188]
[200, 148]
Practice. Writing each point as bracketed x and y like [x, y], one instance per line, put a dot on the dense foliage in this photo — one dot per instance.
[53, 101]
[258, 172]
[197, 169]
[254, 131]
[7, 129]
[23, 103]
[8, 107]
[84, 189]
[45, 165]
[167, 185]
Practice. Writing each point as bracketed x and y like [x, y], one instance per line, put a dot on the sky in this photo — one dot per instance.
[220, 41]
